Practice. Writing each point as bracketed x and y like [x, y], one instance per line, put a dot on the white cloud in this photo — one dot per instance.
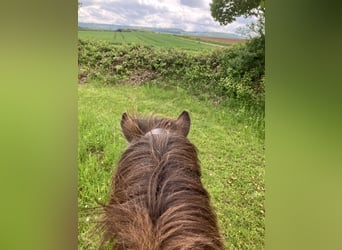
[189, 15]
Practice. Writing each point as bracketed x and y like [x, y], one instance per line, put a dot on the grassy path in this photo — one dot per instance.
[232, 156]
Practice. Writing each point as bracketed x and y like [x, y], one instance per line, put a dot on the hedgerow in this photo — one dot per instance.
[223, 75]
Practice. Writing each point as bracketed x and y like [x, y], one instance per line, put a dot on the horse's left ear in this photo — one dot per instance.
[129, 127]
[183, 122]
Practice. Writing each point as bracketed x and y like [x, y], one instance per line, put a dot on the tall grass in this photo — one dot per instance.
[231, 154]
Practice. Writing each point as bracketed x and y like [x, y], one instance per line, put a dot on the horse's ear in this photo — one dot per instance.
[129, 127]
[183, 122]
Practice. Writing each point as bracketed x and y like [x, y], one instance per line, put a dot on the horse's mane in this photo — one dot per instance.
[157, 199]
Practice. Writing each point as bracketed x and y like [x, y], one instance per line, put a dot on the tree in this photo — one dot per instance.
[247, 63]
[226, 11]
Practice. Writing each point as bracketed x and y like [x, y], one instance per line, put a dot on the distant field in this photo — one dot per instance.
[220, 40]
[148, 38]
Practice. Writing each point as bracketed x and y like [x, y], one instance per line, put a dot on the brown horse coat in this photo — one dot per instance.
[157, 199]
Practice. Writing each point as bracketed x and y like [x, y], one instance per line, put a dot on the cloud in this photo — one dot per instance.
[193, 3]
[189, 15]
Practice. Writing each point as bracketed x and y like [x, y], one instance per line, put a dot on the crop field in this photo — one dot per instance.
[219, 40]
[147, 38]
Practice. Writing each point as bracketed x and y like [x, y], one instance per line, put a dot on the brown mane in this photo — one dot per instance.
[157, 199]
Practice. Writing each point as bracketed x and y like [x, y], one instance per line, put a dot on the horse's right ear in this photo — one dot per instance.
[129, 127]
[183, 122]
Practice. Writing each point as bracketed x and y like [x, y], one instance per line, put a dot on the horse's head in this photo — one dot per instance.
[133, 128]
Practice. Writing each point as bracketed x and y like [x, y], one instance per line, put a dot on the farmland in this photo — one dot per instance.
[151, 38]
[219, 40]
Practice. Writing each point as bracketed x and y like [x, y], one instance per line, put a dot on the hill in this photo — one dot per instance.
[98, 26]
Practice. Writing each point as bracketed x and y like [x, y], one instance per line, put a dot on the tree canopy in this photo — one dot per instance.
[226, 11]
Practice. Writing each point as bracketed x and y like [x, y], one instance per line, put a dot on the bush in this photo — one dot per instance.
[230, 74]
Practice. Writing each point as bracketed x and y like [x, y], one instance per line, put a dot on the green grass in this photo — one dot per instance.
[144, 37]
[231, 154]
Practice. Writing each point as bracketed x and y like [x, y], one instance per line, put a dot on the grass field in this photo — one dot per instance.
[147, 38]
[231, 154]
[218, 40]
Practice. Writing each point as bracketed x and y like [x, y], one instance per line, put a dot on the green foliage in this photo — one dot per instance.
[245, 70]
[231, 76]
[242, 64]
[225, 11]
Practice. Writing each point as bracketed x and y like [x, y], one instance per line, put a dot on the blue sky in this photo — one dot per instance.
[189, 15]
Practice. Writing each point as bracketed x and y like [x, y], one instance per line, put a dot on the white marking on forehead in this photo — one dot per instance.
[156, 131]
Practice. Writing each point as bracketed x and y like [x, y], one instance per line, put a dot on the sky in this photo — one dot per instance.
[189, 15]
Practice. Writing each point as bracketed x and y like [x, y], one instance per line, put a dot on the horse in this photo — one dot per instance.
[157, 199]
